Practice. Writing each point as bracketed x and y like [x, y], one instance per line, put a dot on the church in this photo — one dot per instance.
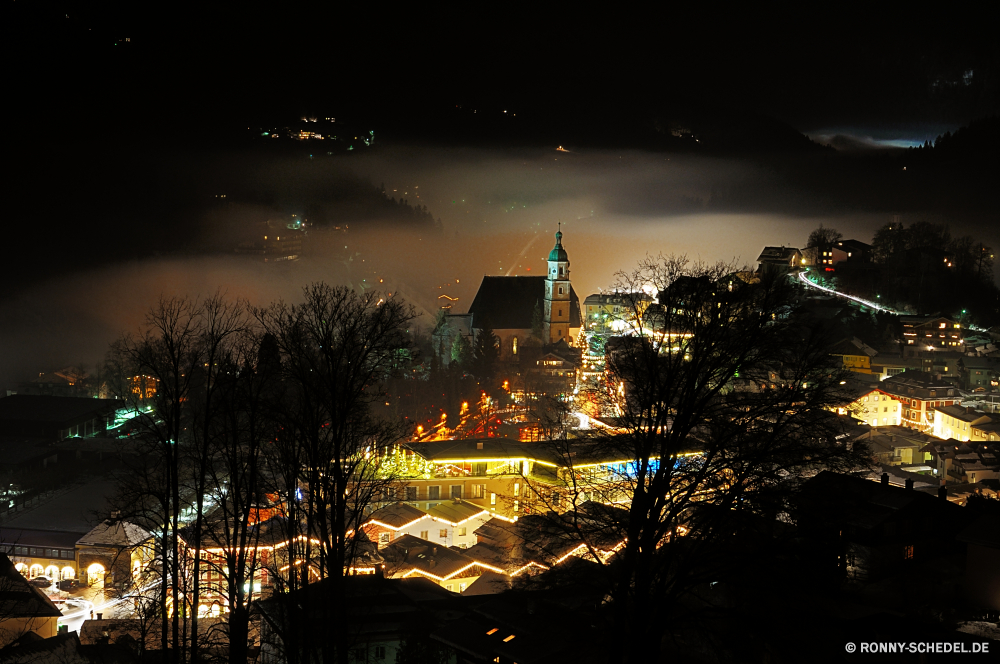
[509, 305]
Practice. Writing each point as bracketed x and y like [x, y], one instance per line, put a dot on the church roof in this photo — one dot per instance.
[509, 302]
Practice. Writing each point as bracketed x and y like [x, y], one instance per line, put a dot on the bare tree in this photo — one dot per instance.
[154, 373]
[823, 237]
[332, 458]
[722, 395]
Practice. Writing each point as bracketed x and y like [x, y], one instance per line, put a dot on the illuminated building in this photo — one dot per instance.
[933, 332]
[41, 552]
[410, 556]
[613, 312]
[855, 354]
[510, 304]
[919, 393]
[779, 259]
[448, 524]
[964, 423]
[114, 552]
[876, 408]
[509, 478]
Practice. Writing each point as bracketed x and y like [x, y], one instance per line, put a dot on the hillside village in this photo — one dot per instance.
[497, 484]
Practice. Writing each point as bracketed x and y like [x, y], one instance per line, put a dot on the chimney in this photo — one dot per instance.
[885, 479]
[943, 493]
[909, 484]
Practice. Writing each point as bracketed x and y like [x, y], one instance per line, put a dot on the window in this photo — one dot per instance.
[456, 491]
[516, 505]
[433, 493]
[443, 533]
[560, 290]
[517, 489]
[513, 345]
[478, 490]
[493, 498]
[411, 493]
[560, 313]
[383, 538]
[379, 652]
[908, 552]
[461, 587]
[450, 586]
[461, 531]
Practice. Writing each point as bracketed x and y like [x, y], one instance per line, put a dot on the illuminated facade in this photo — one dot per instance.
[557, 296]
[877, 408]
[936, 333]
[919, 393]
[41, 552]
[509, 478]
[964, 424]
[511, 303]
[613, 312]
[449, 524]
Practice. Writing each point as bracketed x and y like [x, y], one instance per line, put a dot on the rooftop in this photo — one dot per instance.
[41, 408]
[115, 533]
[510, 302]
[397, 515]
[18, 598]
[409, 555]
[456, 511]
[55, 539]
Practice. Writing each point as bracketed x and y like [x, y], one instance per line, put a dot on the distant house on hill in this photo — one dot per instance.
[856, 250]
[779, 259]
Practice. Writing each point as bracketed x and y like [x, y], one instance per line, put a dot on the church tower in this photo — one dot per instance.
[557, 294]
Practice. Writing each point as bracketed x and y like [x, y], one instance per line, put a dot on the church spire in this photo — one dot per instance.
[558, 253]
[558, 296]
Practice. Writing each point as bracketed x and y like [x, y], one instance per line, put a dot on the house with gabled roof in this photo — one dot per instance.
[23, 607]
[779, 259]
[453, 570]
[450, 524]
[113, 552]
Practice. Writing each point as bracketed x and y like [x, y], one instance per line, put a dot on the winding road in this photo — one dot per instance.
[867, 303]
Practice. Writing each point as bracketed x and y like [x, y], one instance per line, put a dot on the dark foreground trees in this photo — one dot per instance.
[722, 395]
[255, 451]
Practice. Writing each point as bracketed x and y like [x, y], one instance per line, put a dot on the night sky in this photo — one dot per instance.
[186, 66]
[126, 119]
